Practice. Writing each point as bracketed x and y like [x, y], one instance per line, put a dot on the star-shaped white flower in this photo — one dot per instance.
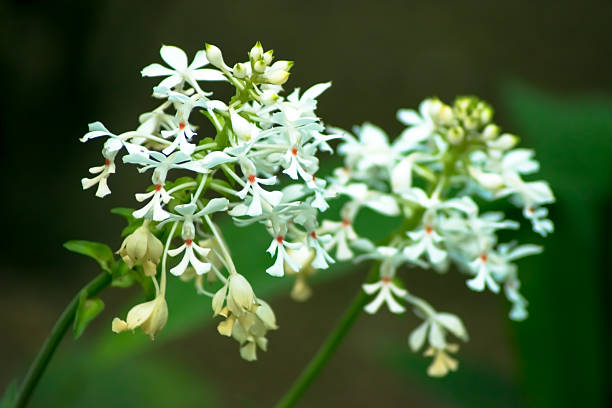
[386, 289]
[180, 72]
[278, 246]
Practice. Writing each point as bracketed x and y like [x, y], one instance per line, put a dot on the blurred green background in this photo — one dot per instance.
[544, 65]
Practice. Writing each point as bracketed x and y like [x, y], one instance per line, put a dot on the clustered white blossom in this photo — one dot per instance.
[447, 160]
[259, 165]
[256, 141]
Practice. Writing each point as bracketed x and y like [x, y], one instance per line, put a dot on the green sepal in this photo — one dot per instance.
[87, 310]
[9, 398]
[100, 252]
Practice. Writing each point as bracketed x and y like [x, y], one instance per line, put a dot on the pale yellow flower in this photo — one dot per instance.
[150, 316]
[142, 248]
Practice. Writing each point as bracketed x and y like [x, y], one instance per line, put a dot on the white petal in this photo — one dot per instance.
[401, 176]
[255, 206]
[103, 189]
[435, 254]
[200, 267]
[370, 288]
[180, 268]
[436, 336]
[417, 337]
[207, 74]
[214, 205]
[397, 291]
[393, 305]
[176, 251]
[154, 70]
[88, 183]
[478, 283]
[171, 81]
[453, 324]
[314, 91]
[408, 117]
[278, 268]
[374, 305]
[199, 60]
[174, 56]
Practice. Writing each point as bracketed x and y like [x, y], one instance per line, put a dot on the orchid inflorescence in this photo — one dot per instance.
[433, 175]
[261, 137]
[260, 167]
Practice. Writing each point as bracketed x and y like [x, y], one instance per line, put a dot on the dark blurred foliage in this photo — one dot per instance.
[65, 64]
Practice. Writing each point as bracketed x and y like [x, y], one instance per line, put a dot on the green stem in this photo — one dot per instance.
[327, 349]
[45, 354]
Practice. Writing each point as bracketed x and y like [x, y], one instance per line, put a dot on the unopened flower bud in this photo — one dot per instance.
[446, 115]
[269, 97]
[215, 57]
[242, 127]
[142, 248]
[256, 52]
[268, 56]
[259, 66]
[486, 114]
[276, 77]
[462, 104]
[490, 132]
[282, 65]
[435, 106]
[504, 142]
[455, 135]
[471, 123]
[240, 70]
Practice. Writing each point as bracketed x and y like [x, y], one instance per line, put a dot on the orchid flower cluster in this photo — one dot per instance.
[260, 140]
[433, 175]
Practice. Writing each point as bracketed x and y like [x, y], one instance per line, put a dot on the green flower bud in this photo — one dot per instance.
[268, 56]
[240, 70]
[455, 135]
[256, 52]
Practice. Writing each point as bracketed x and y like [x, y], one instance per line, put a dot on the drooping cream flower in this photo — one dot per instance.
[304, 256]
[142, 248]
[150, 316]
[442, 363]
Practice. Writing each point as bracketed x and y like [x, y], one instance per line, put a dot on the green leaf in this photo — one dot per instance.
[10, 395]
[87, 310]
[100, 252]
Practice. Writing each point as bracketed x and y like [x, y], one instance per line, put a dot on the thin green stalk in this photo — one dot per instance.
[327, 349]
[57, 333]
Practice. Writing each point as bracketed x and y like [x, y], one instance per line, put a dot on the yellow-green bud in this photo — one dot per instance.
[256, 52]
[276, 77]
[268, 56]
[259, 66]
[215, 57]
[240, 70]
[455, 135]
[490, 132]
[471, 123]
[446, 115]
[269, 97]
